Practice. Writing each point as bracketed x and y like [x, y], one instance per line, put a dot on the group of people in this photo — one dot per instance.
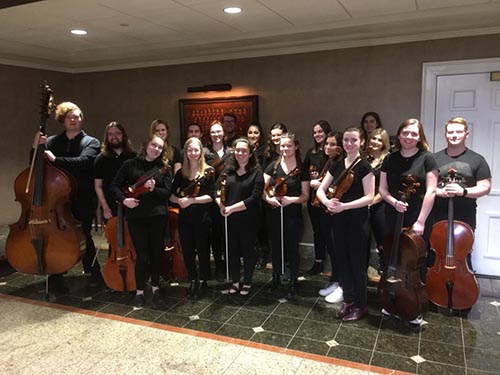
[240, 197]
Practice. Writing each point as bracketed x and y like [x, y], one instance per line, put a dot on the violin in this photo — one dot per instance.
[119, 270]
[138, 188]
[315, 202]
[450, 283]
[342, 183]
[193, 188]
[280, 187]
[47, 239]
[400, 289]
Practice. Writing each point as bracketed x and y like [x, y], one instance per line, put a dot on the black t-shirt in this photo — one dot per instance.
[199, 213]
[105, 168]
[472, 167]
[360, 170]
[294, 183]
[398, 167]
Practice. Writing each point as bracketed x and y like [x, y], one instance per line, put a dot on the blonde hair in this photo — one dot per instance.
[384, 137]
[185, 161]
[63, 109]
[169, 154]
[457, 120]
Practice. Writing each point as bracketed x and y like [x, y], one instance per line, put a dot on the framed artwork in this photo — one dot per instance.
[205, 111]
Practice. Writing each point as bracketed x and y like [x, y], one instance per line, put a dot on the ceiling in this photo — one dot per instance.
[139, 33]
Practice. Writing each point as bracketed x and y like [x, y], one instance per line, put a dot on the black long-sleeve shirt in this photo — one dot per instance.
[76, 156]
[151, 203]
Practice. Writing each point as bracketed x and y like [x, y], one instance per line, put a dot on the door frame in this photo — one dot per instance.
[430, 73]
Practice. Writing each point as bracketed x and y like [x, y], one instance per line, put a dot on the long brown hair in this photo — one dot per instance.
[422, 144]
[106, 149]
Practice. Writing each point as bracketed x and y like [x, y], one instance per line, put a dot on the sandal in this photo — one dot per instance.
[235, 288]
[245, 290]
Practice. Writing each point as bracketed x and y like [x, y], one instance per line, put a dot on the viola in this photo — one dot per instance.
[342, 183]
[218, 162]
[137, 188]
[400, 290]
[119, 269]
[222, 190]
[450, 283]
[47, 239]
[280, 186]
[193, 188]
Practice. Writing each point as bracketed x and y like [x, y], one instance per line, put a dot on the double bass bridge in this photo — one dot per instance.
[38, 221]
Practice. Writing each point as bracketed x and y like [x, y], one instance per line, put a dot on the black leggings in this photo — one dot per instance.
[241, 239]
[148, 236]
[194, 238]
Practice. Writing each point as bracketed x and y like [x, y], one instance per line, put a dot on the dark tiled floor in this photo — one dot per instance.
[459, 344]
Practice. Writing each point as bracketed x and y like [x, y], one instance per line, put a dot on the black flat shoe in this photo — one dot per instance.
[193, 288]
[139, 301]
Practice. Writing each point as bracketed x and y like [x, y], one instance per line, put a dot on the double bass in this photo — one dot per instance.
[118, 272]
[400, 290]
[450, 283]
[47, 239]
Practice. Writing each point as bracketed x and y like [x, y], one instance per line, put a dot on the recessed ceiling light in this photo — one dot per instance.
[78, 32]
[232, 10]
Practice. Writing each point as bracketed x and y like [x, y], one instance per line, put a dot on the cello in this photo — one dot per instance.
[400, 290]
[450, 282]
[118, 272]
[47, 239]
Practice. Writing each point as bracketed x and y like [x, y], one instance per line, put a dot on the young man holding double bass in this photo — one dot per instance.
[74, 152]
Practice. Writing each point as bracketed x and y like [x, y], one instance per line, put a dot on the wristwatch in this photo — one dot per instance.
[464, 194]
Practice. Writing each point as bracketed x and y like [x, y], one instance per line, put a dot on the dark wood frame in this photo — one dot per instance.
[204, 111]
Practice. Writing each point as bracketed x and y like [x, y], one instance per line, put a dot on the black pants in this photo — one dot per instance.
[241, 239]
[194, 238]
[351, 233]
[85, 211]
[292, 226]
[377, 224]
[319, 240]
[217, 238]
[326, 228]
[148, 235]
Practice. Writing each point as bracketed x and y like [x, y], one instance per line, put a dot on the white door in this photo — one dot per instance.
[476, 98]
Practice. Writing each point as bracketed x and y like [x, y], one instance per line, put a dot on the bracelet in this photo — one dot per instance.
[464, 194]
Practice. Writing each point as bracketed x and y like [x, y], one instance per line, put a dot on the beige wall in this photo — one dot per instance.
[338, 86]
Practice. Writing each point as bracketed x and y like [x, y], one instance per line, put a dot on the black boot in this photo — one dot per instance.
[193, 288]
[316, 269]
[293, 289]
[276, 282]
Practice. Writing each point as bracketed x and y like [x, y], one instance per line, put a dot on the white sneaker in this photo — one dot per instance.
[417, 321]
[329, 289]
[336, 296]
